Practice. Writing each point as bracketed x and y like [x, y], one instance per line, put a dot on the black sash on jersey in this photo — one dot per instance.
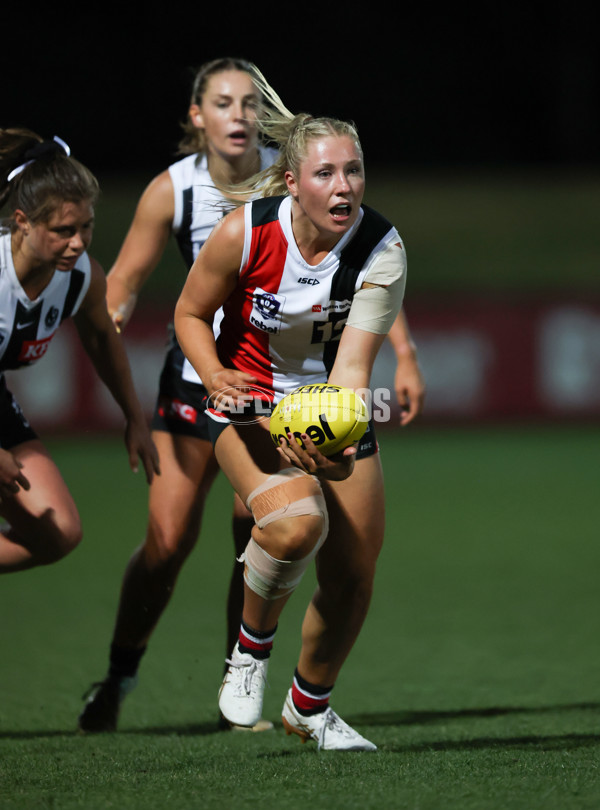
[265, 210]
[371, 231]
[77, 279]
[184, 234]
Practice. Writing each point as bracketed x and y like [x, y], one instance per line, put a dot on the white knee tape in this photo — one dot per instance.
[289, 493]
[271, 578]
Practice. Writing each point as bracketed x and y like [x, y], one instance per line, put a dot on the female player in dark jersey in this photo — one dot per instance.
[46, 276]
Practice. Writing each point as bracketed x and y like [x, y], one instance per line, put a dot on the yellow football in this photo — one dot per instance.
[332, 417]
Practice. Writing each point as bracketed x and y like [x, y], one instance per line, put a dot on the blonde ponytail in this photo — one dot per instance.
[291, 134]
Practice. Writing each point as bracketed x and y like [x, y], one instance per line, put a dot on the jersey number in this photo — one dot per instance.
[326, 331]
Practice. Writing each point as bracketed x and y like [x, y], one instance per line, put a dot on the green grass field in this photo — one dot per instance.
[477, 672]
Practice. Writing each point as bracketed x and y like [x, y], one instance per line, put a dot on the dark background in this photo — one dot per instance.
[470, 86]
[483, 122]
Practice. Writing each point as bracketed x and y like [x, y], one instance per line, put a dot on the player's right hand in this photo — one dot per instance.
[12, 480]
[337, 467]
[230, 388]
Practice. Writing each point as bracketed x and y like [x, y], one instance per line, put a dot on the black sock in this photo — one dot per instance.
[124, 661]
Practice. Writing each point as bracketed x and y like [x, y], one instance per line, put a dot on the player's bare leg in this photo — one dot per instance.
[345, 571]
[242, 524]
[275, 558]
[43, 521]
[176, 503]
[285, 539]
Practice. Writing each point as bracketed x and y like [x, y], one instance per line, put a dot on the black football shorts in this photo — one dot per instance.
[14, 427]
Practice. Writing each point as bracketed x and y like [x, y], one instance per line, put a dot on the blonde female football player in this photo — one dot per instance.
[221, 146]
[276, 334]
[46, 276]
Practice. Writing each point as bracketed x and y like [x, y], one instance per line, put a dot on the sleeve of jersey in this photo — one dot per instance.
[374, 309]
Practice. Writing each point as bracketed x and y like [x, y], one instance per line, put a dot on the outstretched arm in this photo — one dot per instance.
[107, 352]
[408, 380]
[142, 249]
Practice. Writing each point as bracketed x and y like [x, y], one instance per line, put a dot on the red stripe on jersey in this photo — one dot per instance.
[242, 345]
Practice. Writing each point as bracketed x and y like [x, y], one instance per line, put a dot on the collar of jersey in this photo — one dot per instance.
[285, 220]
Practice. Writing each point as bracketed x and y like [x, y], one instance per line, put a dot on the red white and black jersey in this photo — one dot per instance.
[284, 320]
[26, 326]
[198, 206]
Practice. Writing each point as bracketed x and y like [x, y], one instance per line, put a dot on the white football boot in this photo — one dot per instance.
[242, 690]
[327, 728]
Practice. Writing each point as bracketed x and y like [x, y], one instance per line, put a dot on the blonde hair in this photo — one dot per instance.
[291, 134]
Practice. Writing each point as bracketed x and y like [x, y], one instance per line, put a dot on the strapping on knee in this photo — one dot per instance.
[289, 493]
[271, 578]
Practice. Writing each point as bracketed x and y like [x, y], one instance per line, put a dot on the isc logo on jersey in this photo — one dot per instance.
[266, 311]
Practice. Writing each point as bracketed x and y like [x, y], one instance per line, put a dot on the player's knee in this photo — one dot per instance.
[167, 546]
[271, 577]
[60, 542]
[290, 538]
[290, 514]
[291, 525]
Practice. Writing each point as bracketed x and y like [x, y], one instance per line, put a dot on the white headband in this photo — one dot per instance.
[20, 168]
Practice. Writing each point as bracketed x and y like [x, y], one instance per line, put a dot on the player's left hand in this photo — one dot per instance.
[410, 389]
[141, 448]
[337, 467]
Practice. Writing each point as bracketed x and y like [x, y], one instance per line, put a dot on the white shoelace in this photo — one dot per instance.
[334, 722]
[247, 677]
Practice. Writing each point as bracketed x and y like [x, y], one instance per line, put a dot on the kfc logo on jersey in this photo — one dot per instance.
[32, 350]
[266, 311]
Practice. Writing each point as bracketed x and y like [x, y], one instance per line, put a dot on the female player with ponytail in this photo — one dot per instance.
[276, 334]
[46, 276]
